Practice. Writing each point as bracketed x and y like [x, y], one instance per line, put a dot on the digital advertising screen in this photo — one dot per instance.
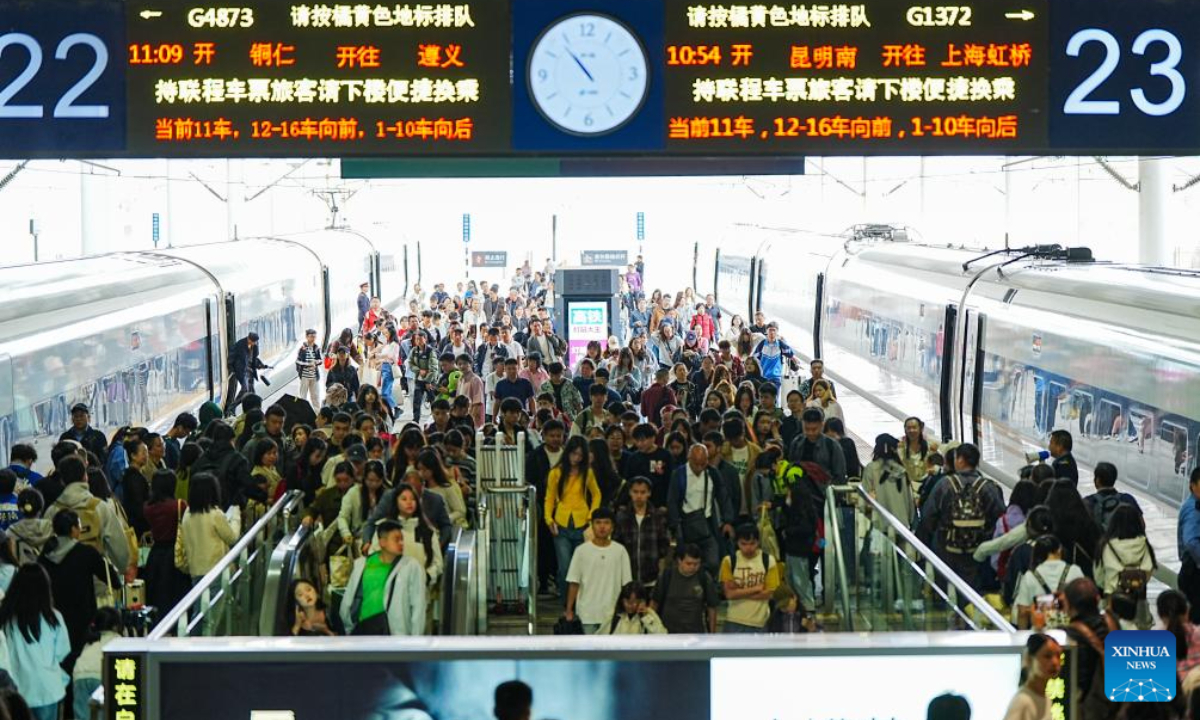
[900, 686]
[433, 690]
[586, 321]
[566, 78]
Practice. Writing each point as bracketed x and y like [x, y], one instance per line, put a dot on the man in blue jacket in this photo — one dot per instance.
[770, 354]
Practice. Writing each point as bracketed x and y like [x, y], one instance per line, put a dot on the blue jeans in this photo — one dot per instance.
[800, 580]
[385, 382]
[47, 712]
[565, 542]
[731, 628]
[83, 689]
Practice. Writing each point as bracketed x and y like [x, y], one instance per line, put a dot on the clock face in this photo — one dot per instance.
[588, 74]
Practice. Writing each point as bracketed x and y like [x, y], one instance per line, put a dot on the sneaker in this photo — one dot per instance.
[898, 606]
[917, 606]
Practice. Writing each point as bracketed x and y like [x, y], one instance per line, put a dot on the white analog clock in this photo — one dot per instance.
[588, 74]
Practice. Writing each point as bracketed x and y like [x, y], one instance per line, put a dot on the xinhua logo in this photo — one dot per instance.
[1139, 666]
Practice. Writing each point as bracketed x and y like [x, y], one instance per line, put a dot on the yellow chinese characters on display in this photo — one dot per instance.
[365, 16]
[283, 91]
[778, 16]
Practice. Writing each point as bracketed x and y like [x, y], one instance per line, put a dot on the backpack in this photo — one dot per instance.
[967, 523]
[91, 531]
[1054, 618]
[1132, 579]
[1103, 509]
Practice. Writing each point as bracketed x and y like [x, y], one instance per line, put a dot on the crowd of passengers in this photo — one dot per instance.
[681, 473]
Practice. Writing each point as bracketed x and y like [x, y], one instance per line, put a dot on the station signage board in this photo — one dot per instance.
[563, 78]
[604, 257]
[489, 258]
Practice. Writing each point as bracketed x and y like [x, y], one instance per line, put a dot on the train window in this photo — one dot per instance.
[1058, 407]
[1140, 429]
[1082, 412]
[1110, 422]
[1173, 442]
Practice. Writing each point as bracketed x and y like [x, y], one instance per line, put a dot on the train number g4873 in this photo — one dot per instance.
[939, 16]
[224, 17]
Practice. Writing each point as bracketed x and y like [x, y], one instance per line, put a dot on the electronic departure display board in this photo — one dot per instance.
[271, 78]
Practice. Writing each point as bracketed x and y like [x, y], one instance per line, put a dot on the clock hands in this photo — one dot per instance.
[580, 64]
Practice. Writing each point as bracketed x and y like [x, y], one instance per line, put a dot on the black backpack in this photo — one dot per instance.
[1103, 509]
[967, 525]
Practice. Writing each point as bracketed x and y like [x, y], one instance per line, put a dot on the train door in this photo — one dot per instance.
[971, 388]
[696, 264]
[946, 383]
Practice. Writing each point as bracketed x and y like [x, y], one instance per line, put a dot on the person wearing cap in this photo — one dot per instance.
[770, 353]
[364, 302]
[343, 373]
[243, 368]
[308, 367]
[83, 433]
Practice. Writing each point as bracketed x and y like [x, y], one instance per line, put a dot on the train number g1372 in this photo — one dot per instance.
[939, 16]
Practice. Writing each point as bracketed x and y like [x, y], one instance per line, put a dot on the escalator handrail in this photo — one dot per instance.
[840, 562]
[995, 618]
[281, 572]
[171, 620]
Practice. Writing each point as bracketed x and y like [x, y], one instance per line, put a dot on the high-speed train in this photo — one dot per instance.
[142, 336]
[996, 348]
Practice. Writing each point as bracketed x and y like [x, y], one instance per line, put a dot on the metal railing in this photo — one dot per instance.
[228, 599]
[927, 568]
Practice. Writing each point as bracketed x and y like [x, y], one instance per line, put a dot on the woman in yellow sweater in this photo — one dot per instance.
[571, 496]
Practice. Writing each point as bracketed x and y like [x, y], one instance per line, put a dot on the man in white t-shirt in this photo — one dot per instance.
[598, 571]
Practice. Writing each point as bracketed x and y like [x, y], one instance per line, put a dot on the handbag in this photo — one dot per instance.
[341, 565]
[181, 558]
[568, 627]
[105, 597]
[328, 362]
[131, 539]
[694, 525]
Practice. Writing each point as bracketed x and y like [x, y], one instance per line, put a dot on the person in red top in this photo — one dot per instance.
[372, 317]
[658, 396]
[703, 325]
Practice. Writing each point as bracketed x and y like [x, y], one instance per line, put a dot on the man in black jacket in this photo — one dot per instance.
[230, 468]
[243, 369]
[538, 464]
[83, 433]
